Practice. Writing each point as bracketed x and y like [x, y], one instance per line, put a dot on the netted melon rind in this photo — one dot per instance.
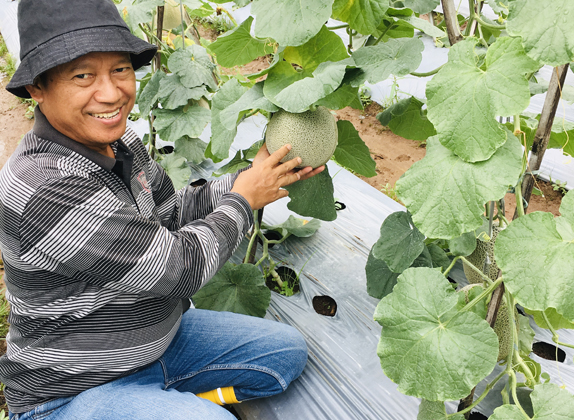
[478, 257]
[313, 135]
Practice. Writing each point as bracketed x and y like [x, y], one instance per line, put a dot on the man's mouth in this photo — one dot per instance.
[106, 116]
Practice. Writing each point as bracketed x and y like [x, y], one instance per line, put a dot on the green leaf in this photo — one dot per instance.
[313, 197]
[240, 289]
[150, 94]
[427, 347]
[499, 6]
[435, 410]
[407, 119]
[233, 165]
[400, 242]
[446, 195]
[174, 124]
[562, 136]
[421, 6]
[352, 152]
[173, 94]
[557, 320]
[536, 255]
[193, 66]
[193, 149]
[463, 245]
[468, 294]
[397, 56]
[361, 15]
[381, 280]
[438, 256]
[464, 100]
[251, 99]
[177, 168]
[344, 95]
[323, 47]
[298, 227]
[424, 26]
[290, 22]
[549, 401]
[238, 47]
[546, 31]
[525, 335]
[392, 28]
[291, 90]
[253, 150]
[140, 12]
[221, 137]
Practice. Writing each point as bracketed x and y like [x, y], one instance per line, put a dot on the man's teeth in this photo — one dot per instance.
[107, 116]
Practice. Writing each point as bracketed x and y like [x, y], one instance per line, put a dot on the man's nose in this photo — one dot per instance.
[108, 90]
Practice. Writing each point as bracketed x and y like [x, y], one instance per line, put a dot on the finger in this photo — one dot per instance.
[312, 173]
[282, 194]
[288, 166]
[276, 157]
[289, 179]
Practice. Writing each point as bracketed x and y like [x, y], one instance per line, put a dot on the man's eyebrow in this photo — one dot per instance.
[86, 66]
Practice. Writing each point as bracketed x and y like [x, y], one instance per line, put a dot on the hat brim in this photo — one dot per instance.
[69, 46]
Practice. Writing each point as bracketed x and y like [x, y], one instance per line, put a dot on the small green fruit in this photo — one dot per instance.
[478, 257]
[313, 135]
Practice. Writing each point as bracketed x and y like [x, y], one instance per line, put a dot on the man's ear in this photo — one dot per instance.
[36, 92]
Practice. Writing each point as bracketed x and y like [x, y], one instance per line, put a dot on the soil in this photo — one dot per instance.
[325, 305]
[549, 351]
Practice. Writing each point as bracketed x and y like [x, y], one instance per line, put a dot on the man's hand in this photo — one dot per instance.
[262, 184]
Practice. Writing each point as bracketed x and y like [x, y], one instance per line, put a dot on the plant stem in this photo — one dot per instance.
[254, 235]
[485, 293]
[451, 21]
[512, 382]
[469, 23]
[517, 129]
[488, 388]
[489, 25]
[477, 270]
[380, 38]
[332, 28]
[159, 33]
[555, 337]
[519, 203]
[451, 266]
[428, 73]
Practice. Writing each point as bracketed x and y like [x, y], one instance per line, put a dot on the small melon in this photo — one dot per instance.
[478, 257]
[313, 135]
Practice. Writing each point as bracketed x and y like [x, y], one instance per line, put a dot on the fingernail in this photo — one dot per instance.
[299, 160]
[289, 147]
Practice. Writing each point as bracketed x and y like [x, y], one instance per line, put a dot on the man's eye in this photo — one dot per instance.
[81, 76]
[123, 69]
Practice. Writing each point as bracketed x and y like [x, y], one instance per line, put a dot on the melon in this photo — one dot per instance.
[312, 134]
[477, 258]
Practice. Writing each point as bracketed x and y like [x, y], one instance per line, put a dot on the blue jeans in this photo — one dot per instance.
[257, 357]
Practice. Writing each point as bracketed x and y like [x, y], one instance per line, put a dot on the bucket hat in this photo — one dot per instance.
[54, 32]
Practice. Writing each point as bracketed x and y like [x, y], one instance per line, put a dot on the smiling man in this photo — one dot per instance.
[102, 255]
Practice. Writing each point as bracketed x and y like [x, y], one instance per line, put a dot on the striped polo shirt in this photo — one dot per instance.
[101, 256]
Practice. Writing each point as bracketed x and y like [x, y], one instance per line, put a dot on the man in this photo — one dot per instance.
[101, 254]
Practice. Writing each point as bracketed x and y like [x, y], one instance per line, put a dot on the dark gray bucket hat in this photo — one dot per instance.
[54, 32]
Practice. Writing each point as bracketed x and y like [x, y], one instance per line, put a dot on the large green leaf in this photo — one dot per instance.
[294, 92]
[536, 255]
[193, 67]
[556, 320]
[150, 94]
[325, 46]
[381, 280]
[313, 197]
[344, 95]
[174, 124]
[352, 152]
[407, 119]
[464, 100]
[177, 168]
[235, 288]
[361, 15]
[427, 347]
[464, 245]
[238, 47]
[174, 94]
[251, 99]
[546, 31]
[435, 410]
[235, 164]
[221, 137]
[549, 402]
[400, 242]
[290, 22]
[446, 195]
[193, 149]
[298, 227]
[139, 12]
[397, 56]
[421, 6]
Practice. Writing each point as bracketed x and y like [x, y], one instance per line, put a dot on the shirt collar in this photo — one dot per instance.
[45, 130]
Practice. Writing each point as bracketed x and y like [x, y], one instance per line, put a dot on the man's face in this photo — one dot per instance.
[89, 99]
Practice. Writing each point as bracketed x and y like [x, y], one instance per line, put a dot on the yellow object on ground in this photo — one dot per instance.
[220, 396]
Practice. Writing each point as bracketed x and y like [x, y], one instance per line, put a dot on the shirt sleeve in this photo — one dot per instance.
[76, 227]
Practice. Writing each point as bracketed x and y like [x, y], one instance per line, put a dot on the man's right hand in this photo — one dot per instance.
[262, 183]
